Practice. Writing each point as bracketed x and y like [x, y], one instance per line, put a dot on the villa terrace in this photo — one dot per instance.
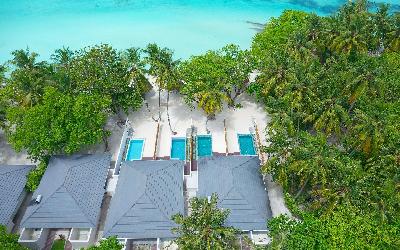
[187, 123]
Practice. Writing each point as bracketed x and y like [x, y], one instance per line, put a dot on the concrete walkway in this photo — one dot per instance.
[276, 197]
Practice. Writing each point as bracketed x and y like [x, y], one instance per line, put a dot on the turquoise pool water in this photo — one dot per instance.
[246, 144]
[178, 149]
[204, 145]
[187, 26]
[135, 150]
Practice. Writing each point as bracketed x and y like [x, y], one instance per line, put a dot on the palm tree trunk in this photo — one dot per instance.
[301, 189]
[105, 140]
[169, 119]
[159, 104]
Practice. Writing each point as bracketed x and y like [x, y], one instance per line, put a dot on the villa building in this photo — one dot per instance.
[148, 193]
[240, 189]
[68, 200]
[12, 192]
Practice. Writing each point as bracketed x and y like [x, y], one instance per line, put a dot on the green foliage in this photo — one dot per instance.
[162, 66]
[59, 124]
[344, 228]
[165, 70]
[204, 227]
[3, 70]
[35, 175]
[3, 107]
[9, 241]
[331, 85]
[62, 106]
[28, 80]
[277, 32]
[58, 244]
[110, 243]
[216, 77]
[101, 70]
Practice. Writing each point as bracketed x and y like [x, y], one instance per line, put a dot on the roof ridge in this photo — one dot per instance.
[77, 203]
[239, 190]
[231, 172]
[161, 169]
[249, 159]
[249, 203]
[160, 209]
[123, 215]
[39, 205]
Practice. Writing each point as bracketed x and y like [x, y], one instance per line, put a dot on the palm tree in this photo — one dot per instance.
[211, 102]
[204, 228]
[331, 118]
[24, 59]
[312, 161]
[348, 41]
[352, 29]
[394, 34]
[62, 59]
[276, 77]
[360, 85]
[367, 133]
[132, 61]
[30, 76]
[382, 25]
[164, 68]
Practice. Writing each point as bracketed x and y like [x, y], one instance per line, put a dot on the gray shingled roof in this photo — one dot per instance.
[148, 193]
[72, 190]
[238, 183]
[12, 183]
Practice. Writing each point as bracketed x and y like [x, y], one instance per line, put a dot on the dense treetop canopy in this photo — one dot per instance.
[215, 78]
[62, 106]
[331, 85]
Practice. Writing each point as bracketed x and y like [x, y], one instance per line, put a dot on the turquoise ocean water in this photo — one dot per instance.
[188, 27]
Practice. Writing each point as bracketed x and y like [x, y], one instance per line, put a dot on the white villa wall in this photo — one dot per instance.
[34, 244]
[9, 226]
[81, 243]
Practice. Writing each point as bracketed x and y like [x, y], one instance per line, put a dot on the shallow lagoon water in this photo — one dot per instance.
[188, 27]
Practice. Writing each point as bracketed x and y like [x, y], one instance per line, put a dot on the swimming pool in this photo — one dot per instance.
[246, 144]
[135, 150]
[178, 149]
[204, 145]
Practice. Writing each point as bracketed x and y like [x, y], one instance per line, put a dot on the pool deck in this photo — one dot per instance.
[183, 117]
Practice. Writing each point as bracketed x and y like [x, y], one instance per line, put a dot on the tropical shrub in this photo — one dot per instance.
[34, 176]
[110, 243]
[9, 241]
[204, 228]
